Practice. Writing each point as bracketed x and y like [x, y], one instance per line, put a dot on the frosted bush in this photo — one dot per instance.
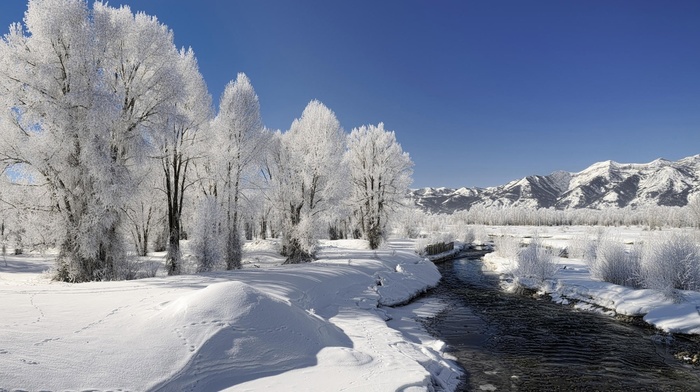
[446, 237]
[536, 261]
[301, 245]
[134, 268]
[207, 244]
[432, 239]
[480, 235]
[128, 268]
[306, 233]
[420, 244]
[149, 268]
[406, 230]
[585, 246]
[434, 223]
[614, 264]
[671, 262]
[468, 236]
[407, 222]
[507, 246]
[582, 247]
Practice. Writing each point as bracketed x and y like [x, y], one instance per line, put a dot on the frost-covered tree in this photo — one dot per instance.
[693, 208]
[80, 92]
[309, 176]
[240, 140]
[269, 203]
[143, 212]
[182, 142]
[207, 242]
[380, 174]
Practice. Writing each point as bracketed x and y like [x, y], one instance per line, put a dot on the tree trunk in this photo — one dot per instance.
[172, 259]
[263, 228]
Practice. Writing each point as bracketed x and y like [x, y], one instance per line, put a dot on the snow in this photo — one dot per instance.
[573, 282]
[560, 180]
[317, 326]
[464, 191]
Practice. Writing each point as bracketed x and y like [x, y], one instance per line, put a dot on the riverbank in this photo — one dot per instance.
[317, 326]
[509, 341]
[573, 284]
[460, 251]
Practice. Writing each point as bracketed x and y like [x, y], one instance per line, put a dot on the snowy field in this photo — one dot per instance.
[322, 326]
[332, 324]
[573, 284]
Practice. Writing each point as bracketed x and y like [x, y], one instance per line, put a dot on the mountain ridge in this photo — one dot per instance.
[602, 185]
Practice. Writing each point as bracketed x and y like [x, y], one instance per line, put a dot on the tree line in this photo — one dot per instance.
[110, 143]
[651, 217]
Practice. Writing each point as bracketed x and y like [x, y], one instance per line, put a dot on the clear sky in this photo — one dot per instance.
[478, 92]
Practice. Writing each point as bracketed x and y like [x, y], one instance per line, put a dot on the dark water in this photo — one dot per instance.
[515, 342]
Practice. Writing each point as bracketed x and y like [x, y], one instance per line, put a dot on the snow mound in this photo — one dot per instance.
[407, 281]
[237, 299]
[238, 333]
[268, 245]
[316, 326]
[346, 244]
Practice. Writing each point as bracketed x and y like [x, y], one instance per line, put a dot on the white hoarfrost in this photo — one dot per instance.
[676, 311]
[380, 173]
[238, 144]
[309, 180]
[319, 326]
[83, 93]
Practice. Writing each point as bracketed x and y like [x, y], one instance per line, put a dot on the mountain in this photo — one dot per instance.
[602, 185]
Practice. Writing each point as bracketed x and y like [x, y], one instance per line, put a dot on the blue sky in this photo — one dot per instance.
[478, 92]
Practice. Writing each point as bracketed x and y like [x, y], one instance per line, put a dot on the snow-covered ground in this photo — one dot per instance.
[573, 284]
[320, 326]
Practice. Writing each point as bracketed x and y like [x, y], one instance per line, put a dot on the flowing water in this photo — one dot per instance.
[516, 342]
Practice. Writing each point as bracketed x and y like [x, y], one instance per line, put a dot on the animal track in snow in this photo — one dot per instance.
[41, 312]
[47, 340]
[179, 332]
[100, 321]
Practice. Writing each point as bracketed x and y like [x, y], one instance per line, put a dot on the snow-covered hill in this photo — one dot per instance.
[602, 185]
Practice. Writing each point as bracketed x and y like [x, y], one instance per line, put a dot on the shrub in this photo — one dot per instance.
[613, 263]
[207, 242]
[585, 246]
[432, 239]
[128, 268]
[149, 268]
[468, 236]
[506, 246]
[536, 261]
[671, 263]
[480, 235]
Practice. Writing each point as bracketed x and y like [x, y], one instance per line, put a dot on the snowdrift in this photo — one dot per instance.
[319, 326]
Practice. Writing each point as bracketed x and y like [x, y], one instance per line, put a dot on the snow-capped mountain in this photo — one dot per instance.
[602, 185]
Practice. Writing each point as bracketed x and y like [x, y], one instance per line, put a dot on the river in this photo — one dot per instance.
[516, 342]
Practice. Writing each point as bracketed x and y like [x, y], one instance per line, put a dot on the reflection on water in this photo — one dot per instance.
[512, 342]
